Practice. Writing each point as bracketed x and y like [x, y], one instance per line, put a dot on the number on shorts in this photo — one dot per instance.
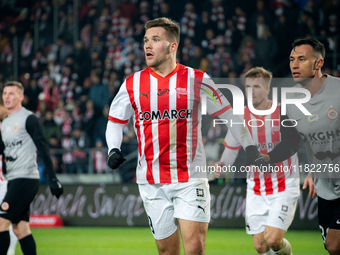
[323, 234]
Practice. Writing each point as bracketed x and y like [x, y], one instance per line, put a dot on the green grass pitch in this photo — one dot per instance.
[139, 241]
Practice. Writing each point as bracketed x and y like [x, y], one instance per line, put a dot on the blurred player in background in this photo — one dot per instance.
[320, 132]
[271, 197]
[21, 137]
[165, 105]
[3, 187]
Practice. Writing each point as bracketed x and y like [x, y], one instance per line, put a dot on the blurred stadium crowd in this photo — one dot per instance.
[73, 55]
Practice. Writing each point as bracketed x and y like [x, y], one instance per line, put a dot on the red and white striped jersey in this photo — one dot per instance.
[167, 120]
[265, 131]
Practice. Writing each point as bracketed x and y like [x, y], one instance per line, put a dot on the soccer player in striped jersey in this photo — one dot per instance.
[165, 102]
[271, 197]
[320, 132]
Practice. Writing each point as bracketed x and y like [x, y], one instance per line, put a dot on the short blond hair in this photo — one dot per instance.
[171, 26]
[16, 84]
[260, 72]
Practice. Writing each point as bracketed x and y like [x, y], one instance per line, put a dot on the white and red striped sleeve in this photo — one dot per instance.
[121, 109]
[231, 149]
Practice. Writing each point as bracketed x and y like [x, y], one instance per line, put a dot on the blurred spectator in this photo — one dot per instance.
[205, 66]
[333, 28]
[132, 64]
[54, 68]
[6, 59]
[209, 43]
[74, 91]
[56, 157]
[26, 52]
[187, 50]
[68, 157]
[232, 37]
[206, 23]
[66, 76]
[91, 17]
[116, 22]
[103, 20]
[220, 57]
[89, 119]
[22, 23]
[60, 113]
[98, 93]
[96, 45]
[284, 38]
[314, 12]
[50, 127]
[32, 95]
[45, 30]
[85, 35]
[127, 9]
[100, 157]
[165, 10]
[246, 51]
[218, 15]
[38, 64]
[126, 30]
[50, 94]
[144, 13]
[265, 50]
[66, 28]
[63, 50]
[261, 9]
[302, 29]
[99, 128]
[189, 21]
[114, 52]
[240, 20]
[195, 60]
[156, 8]
[114, 84]
[80, 144]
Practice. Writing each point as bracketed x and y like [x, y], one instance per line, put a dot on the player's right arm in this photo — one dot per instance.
[120, 113]
[229, 154]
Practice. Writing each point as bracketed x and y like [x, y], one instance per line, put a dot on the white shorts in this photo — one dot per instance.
[164, 203]
[276, 210]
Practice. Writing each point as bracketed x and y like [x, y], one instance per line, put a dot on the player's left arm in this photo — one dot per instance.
[289, 144]
[34, 129]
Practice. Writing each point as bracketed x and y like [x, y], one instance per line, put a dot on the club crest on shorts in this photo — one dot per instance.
[332, 114]
[4, 206]
[200, 192]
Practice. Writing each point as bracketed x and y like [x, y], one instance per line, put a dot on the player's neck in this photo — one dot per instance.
[13, 110]
[315, 85]
[264, 105]
[165, 68]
